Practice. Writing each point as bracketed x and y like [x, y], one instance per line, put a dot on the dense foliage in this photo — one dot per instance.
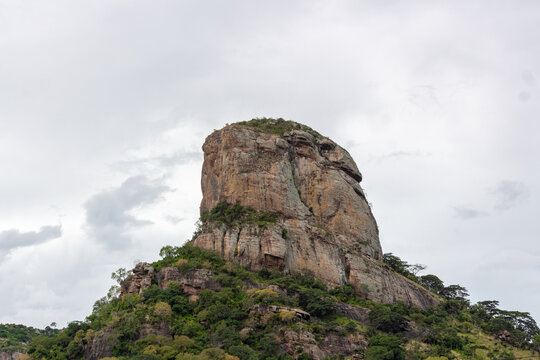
[226, 325]
[430, 281]
[15, 338]
[230, 215]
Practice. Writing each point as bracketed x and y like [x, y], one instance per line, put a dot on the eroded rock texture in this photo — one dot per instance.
[191, 282]
[325, 223]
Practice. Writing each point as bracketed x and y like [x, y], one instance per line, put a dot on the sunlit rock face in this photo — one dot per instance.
[325, 224]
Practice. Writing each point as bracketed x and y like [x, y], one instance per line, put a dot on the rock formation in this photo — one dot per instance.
[324, 223]
[13, 356]
[192, 282]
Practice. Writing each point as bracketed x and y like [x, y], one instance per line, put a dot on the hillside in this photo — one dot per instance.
[269, 315]
[15, 339]
[286, 263]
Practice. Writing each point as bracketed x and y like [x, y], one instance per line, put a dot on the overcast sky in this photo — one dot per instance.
[104, 106]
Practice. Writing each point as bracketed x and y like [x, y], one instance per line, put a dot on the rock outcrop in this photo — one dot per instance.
[331, 345]
[13, 356]
[191, 282]
[140, 279]
[324, 222]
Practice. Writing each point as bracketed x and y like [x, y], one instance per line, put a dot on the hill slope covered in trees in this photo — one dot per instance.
[271, 315]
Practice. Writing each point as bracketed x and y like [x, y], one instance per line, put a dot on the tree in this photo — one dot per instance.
[402, 267]
[395, 263]
[388, 318]
[169, 251]
[416, 268]
[454, 292]
[244, 352]
[432, 283]
[536, 343]
[385, 347]
[163, 311]
[120, 275]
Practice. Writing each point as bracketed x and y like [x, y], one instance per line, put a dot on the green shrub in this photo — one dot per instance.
[385, 347]
[317, 302]
[276, 126]
[244, 352]
[231, 215]
[389, 318]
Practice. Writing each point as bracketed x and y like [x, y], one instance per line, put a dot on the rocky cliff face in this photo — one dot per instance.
[324, 225]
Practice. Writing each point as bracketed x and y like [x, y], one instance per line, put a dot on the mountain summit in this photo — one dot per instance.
[307, 188]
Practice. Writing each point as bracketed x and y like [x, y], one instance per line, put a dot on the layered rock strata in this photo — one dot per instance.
[325, 224]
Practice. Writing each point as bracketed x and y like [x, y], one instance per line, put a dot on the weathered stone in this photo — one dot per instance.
[99, 345]
[192, 282]
[4, 355]
[275, 309]
[162, 329]
[139, 280]
[325, 222]
[331, 345]
[353, 312]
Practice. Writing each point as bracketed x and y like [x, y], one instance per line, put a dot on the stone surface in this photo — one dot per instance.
[140, 279]
[353, 312]
[331, 345]
[275, 309]
[192, 282]
[325, 222]
[99, 346]
[4, 355]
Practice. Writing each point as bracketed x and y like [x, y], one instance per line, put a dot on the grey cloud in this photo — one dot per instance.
[401, 154]
[174, 219]
[423, 96]
[466, 213]
[11, 239]
[524, 96]
[107, 213]
[528, 78]
[509, 193]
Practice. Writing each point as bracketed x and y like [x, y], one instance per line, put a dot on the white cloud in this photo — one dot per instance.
[96, 93]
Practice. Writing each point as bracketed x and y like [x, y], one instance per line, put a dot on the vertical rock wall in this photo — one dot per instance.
[325, 223]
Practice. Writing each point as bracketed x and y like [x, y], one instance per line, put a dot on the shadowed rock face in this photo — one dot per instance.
[325, 223]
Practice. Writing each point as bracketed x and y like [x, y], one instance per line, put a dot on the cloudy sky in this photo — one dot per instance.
[104, 106]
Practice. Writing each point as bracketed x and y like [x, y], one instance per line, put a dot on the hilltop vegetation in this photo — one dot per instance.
[15, 338]
[260, 315]
[277, 126]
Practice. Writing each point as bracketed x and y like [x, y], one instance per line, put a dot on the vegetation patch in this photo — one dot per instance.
[15, 338]
[235, 215]
[277, 126]
[241, 322]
